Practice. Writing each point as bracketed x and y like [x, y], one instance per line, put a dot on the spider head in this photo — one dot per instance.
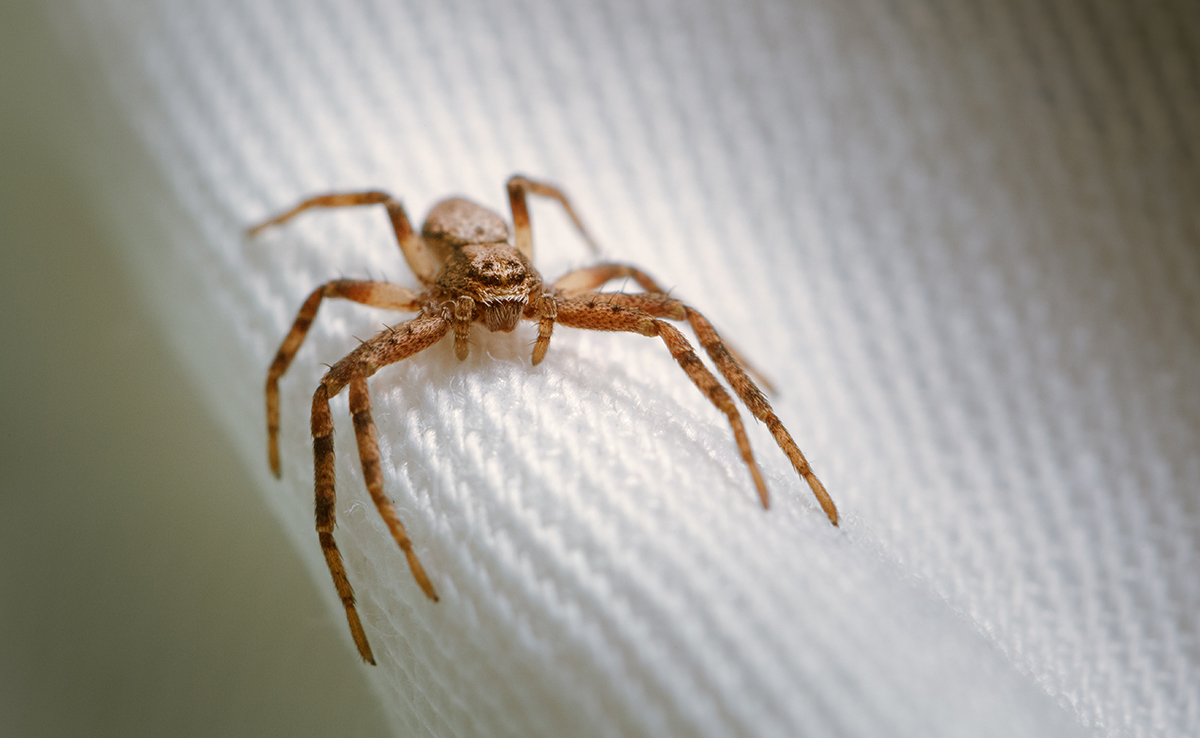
[497, 277]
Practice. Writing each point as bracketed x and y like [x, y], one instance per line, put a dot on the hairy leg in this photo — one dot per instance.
[658, 305]
[386, 347]
[582, 281]
[368, 454]
[545, 310]
[518, 188]
[326, 498]
[590, 278]
[730, 367]
[420, 260]
[596, 312]
[376, 294]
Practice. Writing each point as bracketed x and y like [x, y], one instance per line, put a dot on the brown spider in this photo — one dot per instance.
[471, 273]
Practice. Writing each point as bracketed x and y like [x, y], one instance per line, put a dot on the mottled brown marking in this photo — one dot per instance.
[368, 453]
[375, 294]
[518, 188]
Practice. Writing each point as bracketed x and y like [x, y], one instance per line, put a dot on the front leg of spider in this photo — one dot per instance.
[473, 271]
[387, 347]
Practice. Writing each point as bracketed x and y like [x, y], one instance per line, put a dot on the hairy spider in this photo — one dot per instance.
[472, 273]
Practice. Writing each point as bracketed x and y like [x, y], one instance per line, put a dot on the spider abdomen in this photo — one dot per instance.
[458, 222]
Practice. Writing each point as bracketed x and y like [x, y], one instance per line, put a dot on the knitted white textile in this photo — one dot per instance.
[960, 238]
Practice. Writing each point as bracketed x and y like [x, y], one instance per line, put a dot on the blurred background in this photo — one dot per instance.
[145, 588]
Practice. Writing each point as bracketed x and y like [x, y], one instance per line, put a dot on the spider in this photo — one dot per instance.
[472, 271]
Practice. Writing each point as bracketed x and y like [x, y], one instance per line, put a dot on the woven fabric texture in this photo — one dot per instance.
[961, 238]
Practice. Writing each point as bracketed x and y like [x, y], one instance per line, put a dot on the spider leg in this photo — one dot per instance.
[420, 260]
[730, 366]
[368, 454]
[598, 313]
[545, 310]
[518, 188]
[386, 347]
[590, 278]
[376, 294]
[326, 497]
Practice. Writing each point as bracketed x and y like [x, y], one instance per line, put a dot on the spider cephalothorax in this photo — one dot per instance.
[471, 273]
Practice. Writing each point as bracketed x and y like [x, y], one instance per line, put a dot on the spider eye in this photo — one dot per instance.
[498, 271]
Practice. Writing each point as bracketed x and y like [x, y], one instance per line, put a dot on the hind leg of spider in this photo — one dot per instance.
[368, 454]
[596, 312]
[591, 278]
[376, 294]
[518, 189]
[419, 258]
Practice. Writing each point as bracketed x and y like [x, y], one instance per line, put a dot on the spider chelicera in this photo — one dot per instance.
[472, 272]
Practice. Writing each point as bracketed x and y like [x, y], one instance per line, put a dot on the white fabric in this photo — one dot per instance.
[961, 238]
